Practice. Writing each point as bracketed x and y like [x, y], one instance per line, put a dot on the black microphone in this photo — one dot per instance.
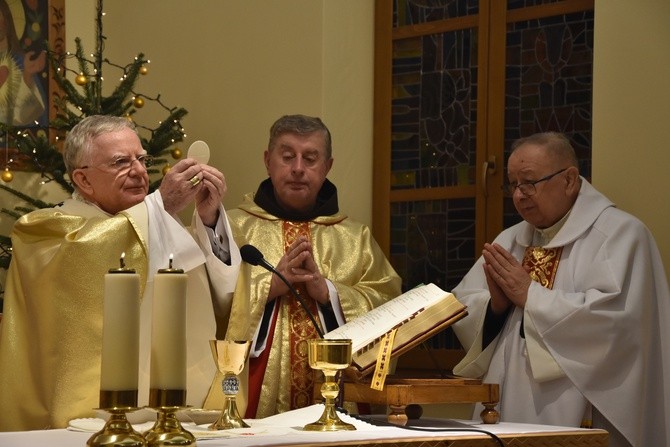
[253, 256]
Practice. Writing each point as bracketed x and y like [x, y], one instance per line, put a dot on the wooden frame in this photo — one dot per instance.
[491, 23]
[32, 27]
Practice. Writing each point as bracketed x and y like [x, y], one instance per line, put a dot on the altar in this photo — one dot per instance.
[286, 429]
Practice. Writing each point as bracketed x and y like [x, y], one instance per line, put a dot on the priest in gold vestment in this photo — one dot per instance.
[51, 332]
[333, 261]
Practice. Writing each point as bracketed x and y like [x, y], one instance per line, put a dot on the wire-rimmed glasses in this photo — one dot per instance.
[121, 164]
[528, 188]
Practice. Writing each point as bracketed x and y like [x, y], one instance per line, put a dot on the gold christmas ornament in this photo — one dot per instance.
[139, 102]
[81, 79]
[176, 153]
[7, 175]
[166, 168]
[144, 70]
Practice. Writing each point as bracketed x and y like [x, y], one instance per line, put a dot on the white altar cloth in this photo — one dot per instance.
[285, 429]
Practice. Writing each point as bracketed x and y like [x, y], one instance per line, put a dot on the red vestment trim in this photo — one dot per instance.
[301, 330]
[257, 366]
[302, 376]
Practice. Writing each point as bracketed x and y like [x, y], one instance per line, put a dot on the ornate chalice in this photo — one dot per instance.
[230, 357]
[329, 356]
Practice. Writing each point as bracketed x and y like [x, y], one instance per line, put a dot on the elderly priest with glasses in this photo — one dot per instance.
[50, 335]
[569, 309]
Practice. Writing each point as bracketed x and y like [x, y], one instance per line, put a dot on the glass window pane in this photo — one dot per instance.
[516, 4]
[434, 110]
[549, 80]
[412, 12]
[433, 241]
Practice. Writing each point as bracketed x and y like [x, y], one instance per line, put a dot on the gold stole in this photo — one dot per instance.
[301, 328]
[542, 264]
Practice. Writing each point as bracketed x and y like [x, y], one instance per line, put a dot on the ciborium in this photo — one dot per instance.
[230, 357]
[329, 356]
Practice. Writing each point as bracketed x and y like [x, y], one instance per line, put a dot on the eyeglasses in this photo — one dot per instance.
[121, 164]
[527, 188]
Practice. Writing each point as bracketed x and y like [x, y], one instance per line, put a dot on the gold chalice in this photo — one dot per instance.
[230, 357]
[329, 356]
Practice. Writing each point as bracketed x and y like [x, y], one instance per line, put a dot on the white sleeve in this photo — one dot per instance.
[222, 259]
[168, 237]
[334, 303]
[219, 241]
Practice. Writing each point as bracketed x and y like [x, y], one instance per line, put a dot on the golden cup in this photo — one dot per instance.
[230, 357]
[329, 356]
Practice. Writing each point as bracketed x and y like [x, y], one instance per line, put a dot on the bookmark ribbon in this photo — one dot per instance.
[383, 360]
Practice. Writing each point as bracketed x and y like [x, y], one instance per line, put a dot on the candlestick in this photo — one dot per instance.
[168, 335]
[167, 389]
[120, 358]
[120, 338]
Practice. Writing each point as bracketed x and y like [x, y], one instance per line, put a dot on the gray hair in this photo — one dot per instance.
[302, 125]
[78, 143]
[556, 144]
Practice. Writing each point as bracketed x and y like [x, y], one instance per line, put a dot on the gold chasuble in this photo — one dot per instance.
[51, 333]
[347, 255]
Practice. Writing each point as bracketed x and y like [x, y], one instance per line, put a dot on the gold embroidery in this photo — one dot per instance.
[302, 377]
[542, 264]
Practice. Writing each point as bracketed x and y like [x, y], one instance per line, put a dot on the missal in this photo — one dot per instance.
[411, 318]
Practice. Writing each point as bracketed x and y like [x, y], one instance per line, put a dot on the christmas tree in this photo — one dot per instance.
[38, 149]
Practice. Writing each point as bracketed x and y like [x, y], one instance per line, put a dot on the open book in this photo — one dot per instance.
[417, 315]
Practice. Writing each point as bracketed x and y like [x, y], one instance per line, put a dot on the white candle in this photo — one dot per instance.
[120, 330]
[168, 330]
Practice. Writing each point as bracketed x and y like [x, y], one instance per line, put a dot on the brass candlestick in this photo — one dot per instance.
[230, 357]
[117, 432]
[168, 431]
[329, 356]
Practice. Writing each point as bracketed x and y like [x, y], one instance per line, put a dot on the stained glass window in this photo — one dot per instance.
[434, 107]
[412, 12]
[549, 84]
